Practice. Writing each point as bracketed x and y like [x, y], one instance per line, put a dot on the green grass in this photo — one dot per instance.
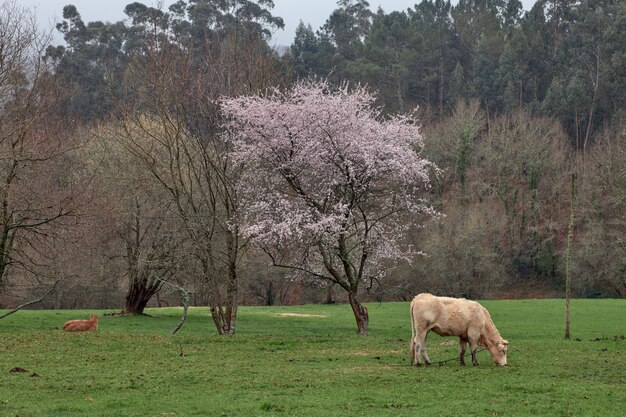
[312, 366]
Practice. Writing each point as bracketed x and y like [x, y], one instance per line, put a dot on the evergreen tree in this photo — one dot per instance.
[533, 28]
[90, 66]
[313, 55]
[304, 51]
[589, 59]
[348, 25]
[389, 52]
[487, 57]
[438, 54]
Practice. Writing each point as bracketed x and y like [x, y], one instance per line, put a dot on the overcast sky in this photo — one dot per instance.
[314, 12]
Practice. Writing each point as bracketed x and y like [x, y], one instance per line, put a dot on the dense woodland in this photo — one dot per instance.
[118, 187]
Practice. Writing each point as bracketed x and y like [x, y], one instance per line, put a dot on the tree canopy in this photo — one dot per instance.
[330, 185]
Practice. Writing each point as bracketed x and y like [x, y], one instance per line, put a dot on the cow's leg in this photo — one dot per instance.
[474, 358]
[419, 348]
[473, 335]
[423, 347]
[416, 348]
[412, 354]
[463, 343]
[474, 347]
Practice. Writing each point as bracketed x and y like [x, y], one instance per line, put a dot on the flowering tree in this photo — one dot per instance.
[328, 183]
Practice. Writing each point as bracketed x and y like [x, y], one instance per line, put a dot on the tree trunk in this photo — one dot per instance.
[360, 314]
[225, 315]
[577, 129]
[225, 319]
[138, 297]
[232, 288]
[330, 298]
[399, 93]
[441, 84]
[593, 102]
[269, 294]
[6, 240]
[568, 258]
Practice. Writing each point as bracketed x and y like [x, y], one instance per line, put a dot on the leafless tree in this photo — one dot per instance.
[130, 210]
[599, 253]
[36, 198]
[189, 168]
[502, 192]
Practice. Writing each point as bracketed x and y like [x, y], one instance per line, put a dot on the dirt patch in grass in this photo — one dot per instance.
[299, 315]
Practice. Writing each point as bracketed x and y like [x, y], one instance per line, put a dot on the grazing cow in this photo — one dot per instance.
[81, 325]
[446, 316]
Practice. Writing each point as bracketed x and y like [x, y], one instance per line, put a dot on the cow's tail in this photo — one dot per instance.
[412, 344]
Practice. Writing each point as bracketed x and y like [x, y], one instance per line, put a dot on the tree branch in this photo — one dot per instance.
[40, 299]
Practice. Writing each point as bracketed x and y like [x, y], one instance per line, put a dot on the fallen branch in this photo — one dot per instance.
[184, 299]
[40, 299]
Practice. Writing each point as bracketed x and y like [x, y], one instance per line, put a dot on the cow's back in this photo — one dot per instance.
[444, 315]
[426, 308]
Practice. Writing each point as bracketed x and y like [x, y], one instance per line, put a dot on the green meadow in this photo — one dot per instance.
[307, 361]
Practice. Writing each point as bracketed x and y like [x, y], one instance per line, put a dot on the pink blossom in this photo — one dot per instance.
[330, 185]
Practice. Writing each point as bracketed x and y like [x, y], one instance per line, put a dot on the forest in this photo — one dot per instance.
[129, 174]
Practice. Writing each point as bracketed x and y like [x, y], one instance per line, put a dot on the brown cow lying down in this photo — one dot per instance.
[81, 325]
[446, 316]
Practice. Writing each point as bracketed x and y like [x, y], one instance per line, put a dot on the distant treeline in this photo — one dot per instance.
[562, 59]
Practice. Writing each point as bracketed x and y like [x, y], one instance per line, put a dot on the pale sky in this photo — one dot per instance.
[314, 12]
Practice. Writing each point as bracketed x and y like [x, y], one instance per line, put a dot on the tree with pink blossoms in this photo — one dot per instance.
[330, 185]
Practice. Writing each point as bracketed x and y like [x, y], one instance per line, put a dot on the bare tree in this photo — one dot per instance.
[193, 171]
[502, 193]
[172, 126]
[35, 197]
[203, 200]
[452, 143]
[524, 170]
[130, 210]
[599, 256]
[151, 254]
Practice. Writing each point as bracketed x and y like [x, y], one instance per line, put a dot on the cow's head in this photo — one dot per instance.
[498, 352]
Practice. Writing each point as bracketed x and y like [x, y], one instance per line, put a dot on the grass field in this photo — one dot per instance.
[307, 361]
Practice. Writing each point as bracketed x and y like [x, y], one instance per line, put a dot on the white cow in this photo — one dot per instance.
[447, 316]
